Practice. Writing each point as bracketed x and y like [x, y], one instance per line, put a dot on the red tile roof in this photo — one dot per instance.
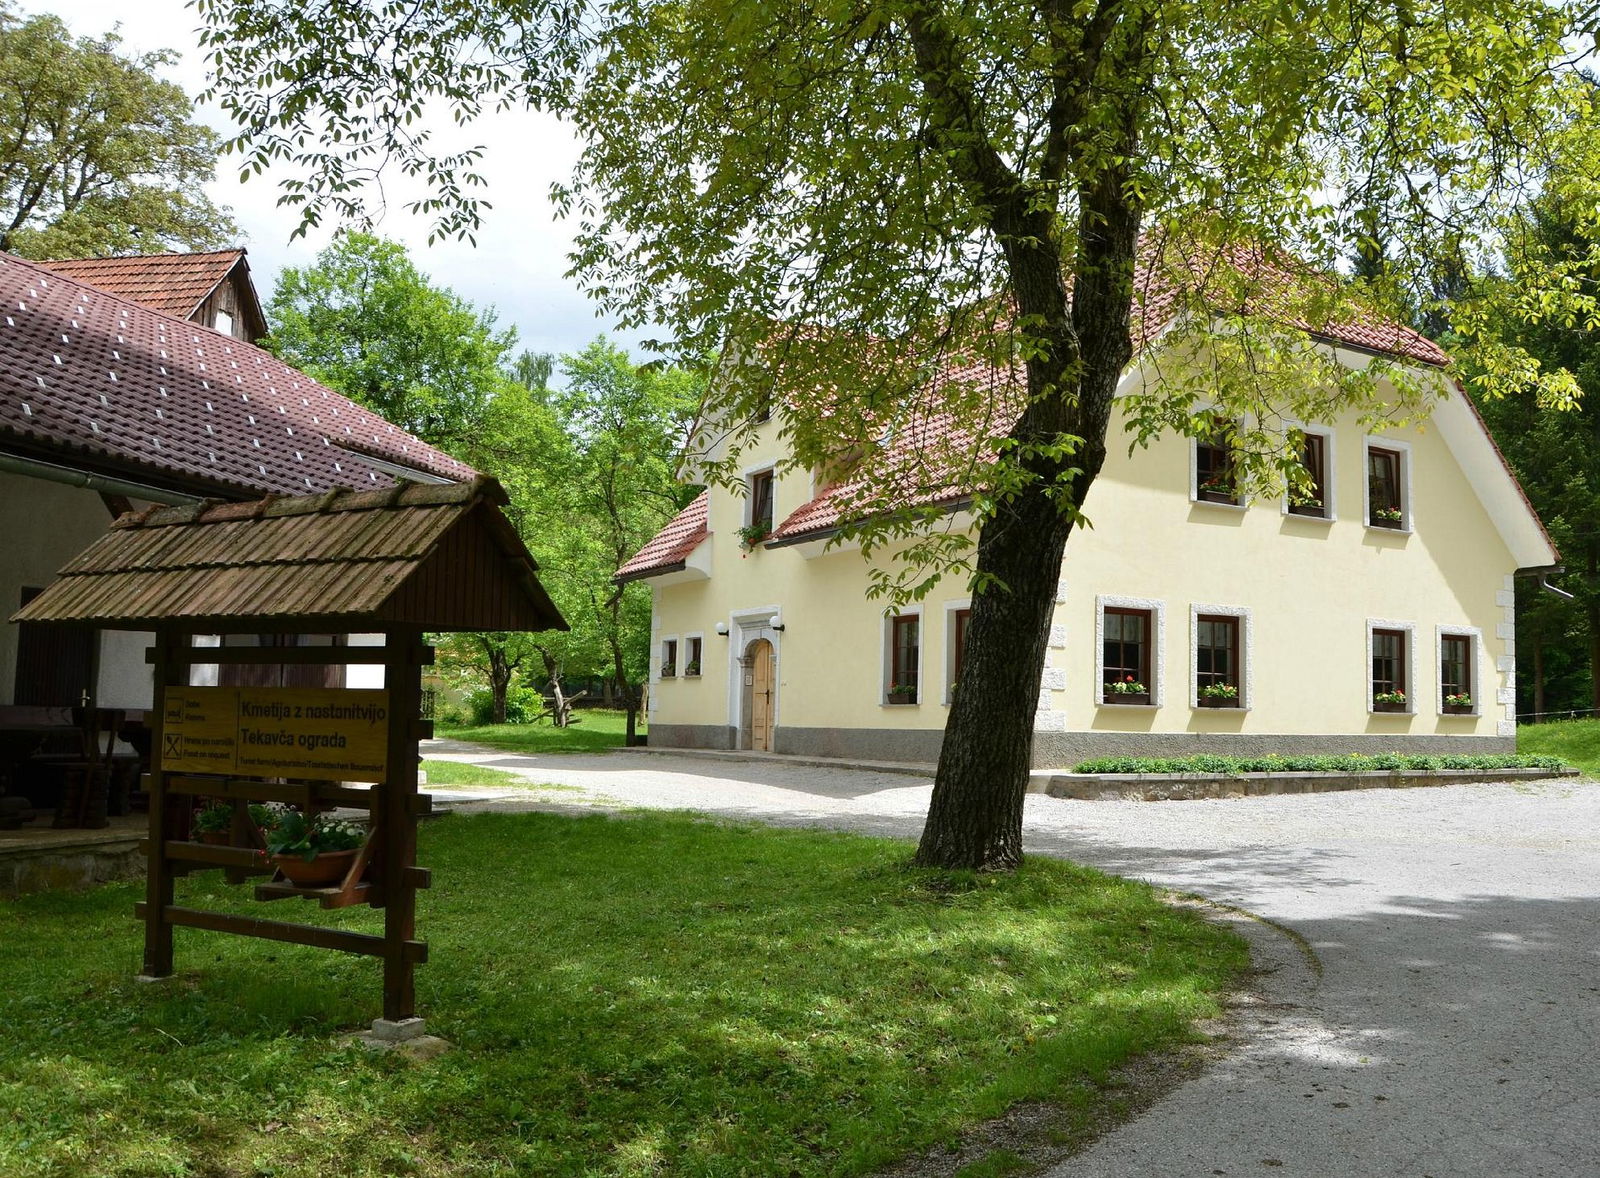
[123, 388]
[933, 455]
[672, 545]
[174, 283]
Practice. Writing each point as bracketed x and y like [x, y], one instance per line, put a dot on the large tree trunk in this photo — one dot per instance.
[1079, 347]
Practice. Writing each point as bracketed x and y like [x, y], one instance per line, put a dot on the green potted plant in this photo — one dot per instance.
[1458, 704]
[752, 534]
[313, 852]
[1126, 690]
[1388, 701]
[213, 824]
[692, 668]
[902, 693]
[1387, 517]
[1218, 695]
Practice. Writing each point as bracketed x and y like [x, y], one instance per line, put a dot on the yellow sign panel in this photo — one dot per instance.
[317, 733]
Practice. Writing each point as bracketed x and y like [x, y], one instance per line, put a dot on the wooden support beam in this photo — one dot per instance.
[179, 851]
[396, 816]
[169, 671]
[316, 936]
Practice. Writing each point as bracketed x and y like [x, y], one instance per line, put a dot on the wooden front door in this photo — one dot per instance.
[762, 689]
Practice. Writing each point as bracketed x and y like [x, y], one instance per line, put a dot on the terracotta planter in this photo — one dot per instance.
[324, 871]
[1126, 697]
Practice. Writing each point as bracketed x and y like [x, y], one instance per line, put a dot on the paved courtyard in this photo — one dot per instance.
[1432, 1009]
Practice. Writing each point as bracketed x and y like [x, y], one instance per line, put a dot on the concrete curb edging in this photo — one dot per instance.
[1175, 787]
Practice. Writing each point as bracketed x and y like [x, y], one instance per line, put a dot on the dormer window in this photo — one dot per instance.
[759, 493]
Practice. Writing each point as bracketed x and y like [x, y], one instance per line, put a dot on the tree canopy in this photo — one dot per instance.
[858, 201]
[97, 154]
[366, 322]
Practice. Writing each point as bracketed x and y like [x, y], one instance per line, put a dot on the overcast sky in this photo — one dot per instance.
[520, 258]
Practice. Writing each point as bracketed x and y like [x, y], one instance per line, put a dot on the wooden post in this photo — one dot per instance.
[171, 659]
[398, 834]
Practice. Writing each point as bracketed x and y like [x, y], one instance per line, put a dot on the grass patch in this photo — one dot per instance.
[1575, 741]
[1347, 763]
[448, 773]
[651, 995]
[591, 730]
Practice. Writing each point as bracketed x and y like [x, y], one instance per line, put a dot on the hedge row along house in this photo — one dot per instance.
[1371, 613]
[113, 401]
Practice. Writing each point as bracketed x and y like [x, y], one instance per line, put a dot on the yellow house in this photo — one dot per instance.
[1375, 617]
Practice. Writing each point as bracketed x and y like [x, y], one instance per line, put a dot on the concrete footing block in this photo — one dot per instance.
[407, 1035]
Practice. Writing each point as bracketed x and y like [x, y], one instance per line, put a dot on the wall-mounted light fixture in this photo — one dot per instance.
[775, 622]
[722, 628]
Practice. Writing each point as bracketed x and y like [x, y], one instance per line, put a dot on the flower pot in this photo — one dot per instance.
[214, 838]
[1219, 702]
[1458, 710]
[902, 699]
[1387, 707]
[325, 870]
[1127, 697]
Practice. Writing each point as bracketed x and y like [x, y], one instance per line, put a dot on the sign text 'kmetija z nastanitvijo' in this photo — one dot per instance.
[311, 733]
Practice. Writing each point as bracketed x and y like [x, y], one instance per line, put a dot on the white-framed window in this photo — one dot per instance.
[669, 657]
[1458, 655]
[1392, 684]
[956, 616]
[1386, 484]
[1220, 662]
[1214, 467]
[694, 649]
[1317, 457]
[760, 491]
[1130, 635]
[902, 657]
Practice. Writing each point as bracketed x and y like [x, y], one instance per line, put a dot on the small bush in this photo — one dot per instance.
[1217, 766]
[523, 705]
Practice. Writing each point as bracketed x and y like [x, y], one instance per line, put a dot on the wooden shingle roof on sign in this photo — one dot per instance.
[437, 557]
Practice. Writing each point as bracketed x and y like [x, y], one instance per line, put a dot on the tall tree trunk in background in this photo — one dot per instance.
[501, 668]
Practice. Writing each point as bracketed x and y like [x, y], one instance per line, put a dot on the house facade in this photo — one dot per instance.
[1374, 614]
[109, 405]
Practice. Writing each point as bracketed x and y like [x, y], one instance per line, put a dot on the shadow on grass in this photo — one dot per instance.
[654, 994]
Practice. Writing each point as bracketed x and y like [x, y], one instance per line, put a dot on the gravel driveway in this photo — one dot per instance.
[1434, 1011]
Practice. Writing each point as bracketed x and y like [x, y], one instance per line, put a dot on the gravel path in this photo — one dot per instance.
[1443, 1024]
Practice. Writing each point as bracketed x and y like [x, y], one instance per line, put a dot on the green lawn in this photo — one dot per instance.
[448, 773]
[591, 730]
[647, 995]
[1575, 741]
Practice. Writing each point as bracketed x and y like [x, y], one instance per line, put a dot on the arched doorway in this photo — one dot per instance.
[760, 689]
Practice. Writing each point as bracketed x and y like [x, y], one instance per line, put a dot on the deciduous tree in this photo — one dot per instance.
[862, 201]
[365, 321]
[98, 155]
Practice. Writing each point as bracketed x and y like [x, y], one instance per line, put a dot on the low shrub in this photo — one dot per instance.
[1345, 763]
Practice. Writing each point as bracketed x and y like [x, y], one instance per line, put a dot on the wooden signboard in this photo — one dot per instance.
[308, 733]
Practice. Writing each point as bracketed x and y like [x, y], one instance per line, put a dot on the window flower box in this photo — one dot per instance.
[1215, 492]
[1126, 691]
[692, 670]
[1389, 701]
[1458, 705]
[902, 693]
[1308, 507]
[1217, 695]
[1387, 517]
